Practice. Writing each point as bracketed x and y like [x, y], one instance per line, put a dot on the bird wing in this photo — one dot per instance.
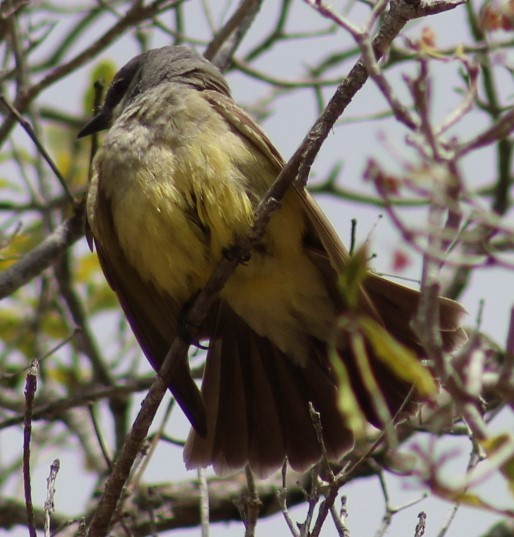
[152, 314]
[378, 294]
[321, 241]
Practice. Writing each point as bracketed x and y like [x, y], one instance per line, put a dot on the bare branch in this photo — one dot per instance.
[30, 392]
[44, 255]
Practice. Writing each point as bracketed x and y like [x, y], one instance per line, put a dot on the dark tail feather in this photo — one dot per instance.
[394, 390]
[257, 398]
[257, 406]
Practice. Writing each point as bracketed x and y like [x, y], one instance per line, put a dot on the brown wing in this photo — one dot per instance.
[326, 249]
[392, 304]
[152, 314]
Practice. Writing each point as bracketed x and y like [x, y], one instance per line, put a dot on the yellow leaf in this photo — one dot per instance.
[460, 51]
[376, 397]
[101, 298]
[501, 448]
[66, 376]
[398, 358]
[53, 325]
[19, 244]
[468, 498]
[86, 267]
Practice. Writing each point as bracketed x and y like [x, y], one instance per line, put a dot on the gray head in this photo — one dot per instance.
[148, 70]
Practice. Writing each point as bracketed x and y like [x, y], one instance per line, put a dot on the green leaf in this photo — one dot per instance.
[347, 402]
[357, 341]
[352, 277]
[104, 72]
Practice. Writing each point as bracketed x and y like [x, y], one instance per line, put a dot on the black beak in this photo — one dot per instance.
[99, 122]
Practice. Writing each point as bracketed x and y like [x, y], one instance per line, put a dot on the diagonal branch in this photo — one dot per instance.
[44, 255]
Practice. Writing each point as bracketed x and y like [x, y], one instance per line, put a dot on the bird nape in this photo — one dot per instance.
[174, 184]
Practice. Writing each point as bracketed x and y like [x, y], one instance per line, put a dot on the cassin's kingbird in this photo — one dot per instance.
[173, 186]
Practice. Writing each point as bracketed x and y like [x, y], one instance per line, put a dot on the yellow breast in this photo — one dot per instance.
[177, 198]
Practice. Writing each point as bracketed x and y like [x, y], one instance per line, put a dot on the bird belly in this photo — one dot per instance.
[284, 301]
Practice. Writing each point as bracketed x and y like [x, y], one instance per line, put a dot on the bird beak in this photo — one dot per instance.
[99, 122]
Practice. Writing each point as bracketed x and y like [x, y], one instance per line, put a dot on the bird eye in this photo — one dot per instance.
[116, 91]
[123, 80]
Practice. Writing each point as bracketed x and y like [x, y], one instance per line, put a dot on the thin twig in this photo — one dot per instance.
[500, 130]
[421, 525]
[99, 436]
[49, 409]
[50, 493]
[40, 147]
[249, 504]
[282, 501]
[318, 429]
[30, 392]
[114, 485]
[43, 255]
[227, 39]
[204, 502]
[339, 518]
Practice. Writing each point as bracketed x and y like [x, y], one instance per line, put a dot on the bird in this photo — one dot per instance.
[174, 185]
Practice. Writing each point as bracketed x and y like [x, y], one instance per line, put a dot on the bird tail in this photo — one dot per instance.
[257, 399]
[257, 402]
